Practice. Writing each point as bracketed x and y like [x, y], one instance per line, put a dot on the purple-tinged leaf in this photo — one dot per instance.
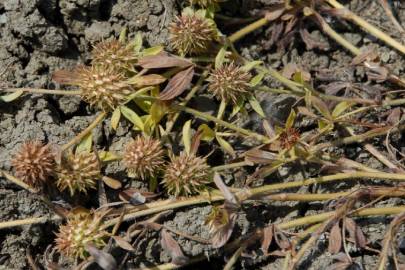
[178, 84]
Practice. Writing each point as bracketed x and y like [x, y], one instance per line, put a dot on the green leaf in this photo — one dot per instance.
[207, 133]
[158, 110]
[123, 35]
[152, 50]
[145, 105]
[290, 120]
[85, 144]
[137, 43]
[115, 118]
[153, 183]
[248, 66]
[237, 107]
[132, 116]
[107, 156]
[12, 96]
[221, 110]
[187, 136]
[340, 108]
[220, 58]
[226, 146]
[256, 79]
[323, 125]
[256, 106]
[321, 107]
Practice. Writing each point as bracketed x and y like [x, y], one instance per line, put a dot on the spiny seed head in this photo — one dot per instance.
[186, 174]
[34, 163]
[191, 33]
[115, 54]
[80, 229]
[78, 172]
[229, 83]
[143, 157]
[217, 219]
[289, 137]
[102, 87]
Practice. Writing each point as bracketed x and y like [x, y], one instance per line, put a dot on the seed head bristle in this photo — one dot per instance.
[101, 86]
[229, 83]
[217, 219]
[79, 230]
[191, 34]
[144, 157]
[115, 54]
[34, 163]
[78, 172]
[186, 175]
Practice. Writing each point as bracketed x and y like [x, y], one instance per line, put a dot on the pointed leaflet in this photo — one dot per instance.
[132, 116]
[225, 145]
[122, 243]
[228, 195]
[220, 58]
[147, 80]
[187, 136]
[85, 144]
[172, 247]
[11, 97]
[163, 60]
[335, 239]
[105, 260]
[267, 238]
[176, 86]
[256, 106]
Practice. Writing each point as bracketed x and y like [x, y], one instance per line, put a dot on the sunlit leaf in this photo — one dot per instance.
[111, 182]
[220, 58]
[256, 79]
[132, 116]
[256, 106]
[143, 104]
[225, 145]
[152, 50]
[11, 97]
[107, 156]
[341, 108]
[248, 66]
[123, 35]
[85, 144]
[147, 80]
[291, 119]
[163, 60]
[172, 247]
[115, 118]
[207, 133]
[158, 110]
[187, 136]
[137, 42]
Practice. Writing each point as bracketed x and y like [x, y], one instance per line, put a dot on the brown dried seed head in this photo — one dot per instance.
[143, 157]
[289, 138]
[229, 83]
[191, 34]
[80, 229]
[101, 86]
[186, 174]
[113, 53]
[34, 163]
[78, 172]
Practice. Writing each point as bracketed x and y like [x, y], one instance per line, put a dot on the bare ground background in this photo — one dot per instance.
[38, 37]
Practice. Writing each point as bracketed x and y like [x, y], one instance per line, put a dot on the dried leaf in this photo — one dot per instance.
[258, 156]
[122, 243]
[228, 195]
[321, 107]
[275, 12]
[163, 60]
[267, 238]
[103, 259]
[310, 42]
[11, 97]
[111, 182]
[178, 84]
[222, 235]
[172, 247]
[335, 239]
[187, 136]
[355, 233]
[147, 80]
[281, 240]
[136, 196]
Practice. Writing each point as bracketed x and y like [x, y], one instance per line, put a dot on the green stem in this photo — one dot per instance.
[248, 29]
[46, 91]
[17, 181]
[231, 166]
[349, 15]
[86, 131]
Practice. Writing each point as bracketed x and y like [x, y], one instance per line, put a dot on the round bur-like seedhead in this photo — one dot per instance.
[229, 83]
[113, 54]
[80, 230]
[102, 87]
[191, 34]
[78, 172]
[186, 175]
[34, 163]
[143, 157]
